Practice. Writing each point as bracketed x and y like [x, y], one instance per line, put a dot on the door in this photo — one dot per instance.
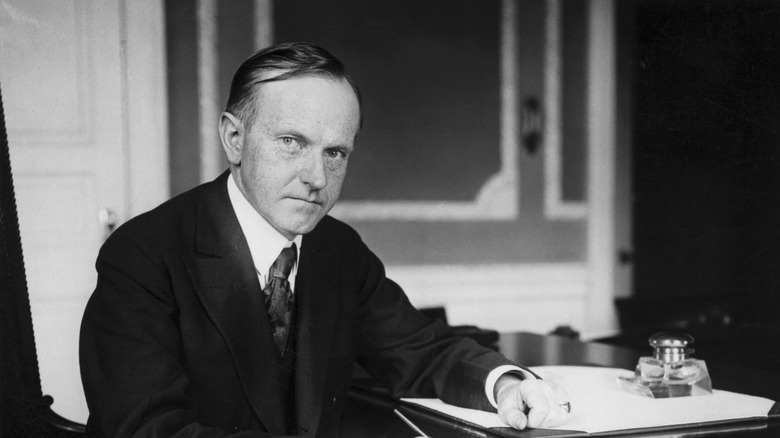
[707, 161]
[68, 73]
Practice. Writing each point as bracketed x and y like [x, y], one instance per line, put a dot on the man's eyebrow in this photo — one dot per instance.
[291, 132]
[340, 147]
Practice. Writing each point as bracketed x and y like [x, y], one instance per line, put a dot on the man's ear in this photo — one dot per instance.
[231, 133]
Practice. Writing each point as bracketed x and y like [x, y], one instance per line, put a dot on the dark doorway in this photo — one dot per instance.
[707, 174]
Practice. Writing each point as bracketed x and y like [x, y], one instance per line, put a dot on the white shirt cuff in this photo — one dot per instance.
[490, 383]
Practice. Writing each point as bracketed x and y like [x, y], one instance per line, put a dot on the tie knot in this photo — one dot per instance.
[284, 263]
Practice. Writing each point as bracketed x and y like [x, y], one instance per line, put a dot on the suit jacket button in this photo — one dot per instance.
[333, 399]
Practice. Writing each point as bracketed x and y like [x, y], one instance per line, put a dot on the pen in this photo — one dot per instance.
[410, 424]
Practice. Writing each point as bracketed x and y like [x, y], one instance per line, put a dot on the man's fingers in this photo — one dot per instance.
[545, 401]
[556, 415]
[532, 403]
[561, 413]
[538, 398]
[514, 418]
[512, 413]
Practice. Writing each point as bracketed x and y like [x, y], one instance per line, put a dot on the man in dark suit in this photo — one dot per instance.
[239, 307]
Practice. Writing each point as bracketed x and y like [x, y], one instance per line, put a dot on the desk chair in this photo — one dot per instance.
[24, 410]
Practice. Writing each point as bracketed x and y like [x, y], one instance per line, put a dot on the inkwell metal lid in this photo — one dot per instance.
[671, 347]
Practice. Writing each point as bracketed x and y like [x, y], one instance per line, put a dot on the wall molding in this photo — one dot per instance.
[264, 23]
[602, 98]
[499, 197]
[28, 132]
[145, 108]
[507, 297]
[211, 157]
[555, 207]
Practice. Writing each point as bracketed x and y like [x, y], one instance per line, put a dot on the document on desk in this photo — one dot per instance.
[600, 405]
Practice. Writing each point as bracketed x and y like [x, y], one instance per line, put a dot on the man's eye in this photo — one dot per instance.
[336, 153]
[288, 141]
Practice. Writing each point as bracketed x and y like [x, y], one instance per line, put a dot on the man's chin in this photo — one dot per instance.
[300, 217]
[303, 226]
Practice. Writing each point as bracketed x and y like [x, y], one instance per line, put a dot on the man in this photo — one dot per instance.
[239, 307]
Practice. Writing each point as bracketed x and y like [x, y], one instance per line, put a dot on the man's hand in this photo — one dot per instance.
[531, 402]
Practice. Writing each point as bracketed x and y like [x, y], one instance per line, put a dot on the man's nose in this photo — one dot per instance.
[313, 172]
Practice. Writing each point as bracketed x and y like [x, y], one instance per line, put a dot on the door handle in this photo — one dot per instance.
[531, 124]
[108, 220]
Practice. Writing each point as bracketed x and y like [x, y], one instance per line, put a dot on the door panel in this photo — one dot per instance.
[62, 84]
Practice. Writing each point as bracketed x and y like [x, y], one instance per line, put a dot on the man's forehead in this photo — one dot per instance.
[297, 82]
[309, 99]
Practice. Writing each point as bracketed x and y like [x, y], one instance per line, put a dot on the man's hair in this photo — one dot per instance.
[295, 59]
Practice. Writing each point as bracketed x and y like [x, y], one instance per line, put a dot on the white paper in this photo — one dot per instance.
[599, 404]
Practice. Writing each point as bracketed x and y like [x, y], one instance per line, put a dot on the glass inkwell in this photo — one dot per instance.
[670, 372]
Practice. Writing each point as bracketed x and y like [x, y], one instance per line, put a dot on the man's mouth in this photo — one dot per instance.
[314, 201]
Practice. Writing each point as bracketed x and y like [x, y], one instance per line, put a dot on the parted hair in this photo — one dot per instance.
[294, 59]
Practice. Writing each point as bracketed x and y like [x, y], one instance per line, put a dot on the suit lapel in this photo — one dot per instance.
[317, 300]
[226, 283]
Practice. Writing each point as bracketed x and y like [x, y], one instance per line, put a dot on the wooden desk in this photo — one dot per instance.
[369, 413]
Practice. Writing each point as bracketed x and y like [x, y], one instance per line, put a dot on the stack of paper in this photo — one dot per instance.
[599, 404]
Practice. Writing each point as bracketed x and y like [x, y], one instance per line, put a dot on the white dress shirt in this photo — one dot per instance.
[265, 243]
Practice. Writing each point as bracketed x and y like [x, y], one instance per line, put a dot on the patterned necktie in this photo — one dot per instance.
[278, 296]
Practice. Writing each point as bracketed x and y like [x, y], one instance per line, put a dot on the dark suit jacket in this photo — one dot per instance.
[175, 340]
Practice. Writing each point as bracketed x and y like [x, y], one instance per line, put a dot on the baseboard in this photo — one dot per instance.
[521, 297]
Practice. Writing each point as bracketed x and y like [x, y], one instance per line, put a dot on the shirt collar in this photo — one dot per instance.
[265, 243]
